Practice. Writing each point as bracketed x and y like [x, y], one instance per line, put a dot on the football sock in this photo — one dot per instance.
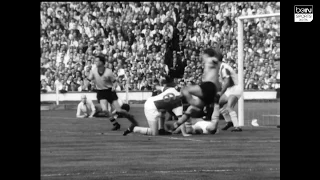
[234, 118]
[142, 130]
[215, 115]
[113, 121]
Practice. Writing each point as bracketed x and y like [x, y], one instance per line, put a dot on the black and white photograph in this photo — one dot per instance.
[160, 90]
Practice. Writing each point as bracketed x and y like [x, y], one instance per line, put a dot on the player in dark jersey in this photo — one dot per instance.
[207, 91]
[105, 84]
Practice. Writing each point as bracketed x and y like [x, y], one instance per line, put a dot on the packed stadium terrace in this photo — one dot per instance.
[144, 41]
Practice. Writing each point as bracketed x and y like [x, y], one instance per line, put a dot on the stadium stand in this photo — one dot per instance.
[144, 41]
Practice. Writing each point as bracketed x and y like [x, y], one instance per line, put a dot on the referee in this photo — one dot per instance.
[104, 80]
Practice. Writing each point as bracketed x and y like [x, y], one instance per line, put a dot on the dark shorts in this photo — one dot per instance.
[209, 91]
[107, 94]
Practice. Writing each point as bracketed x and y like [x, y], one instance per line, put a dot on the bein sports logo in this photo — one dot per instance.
[303, 13]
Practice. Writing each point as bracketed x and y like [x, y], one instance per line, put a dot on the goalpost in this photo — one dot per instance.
[241, 57]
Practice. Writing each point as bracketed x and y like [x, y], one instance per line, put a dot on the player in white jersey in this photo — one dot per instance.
[200, 126]
[207, 91]
[104, 80]
[229, 96]
[195, 125]
[155, 108]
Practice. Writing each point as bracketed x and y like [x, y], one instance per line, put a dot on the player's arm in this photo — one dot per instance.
[183, 130]
[113, 80]
[79, 112]
[93, 109]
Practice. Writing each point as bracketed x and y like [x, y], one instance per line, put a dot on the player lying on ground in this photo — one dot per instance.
[86, 109]
[201, 127]
[207, 91]
[155, 108]
[196, 125]
[104, 80]
[229, 96]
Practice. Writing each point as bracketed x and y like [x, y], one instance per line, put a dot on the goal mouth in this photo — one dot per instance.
[241, 59]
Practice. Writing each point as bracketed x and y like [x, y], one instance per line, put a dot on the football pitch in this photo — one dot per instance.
[86, 149]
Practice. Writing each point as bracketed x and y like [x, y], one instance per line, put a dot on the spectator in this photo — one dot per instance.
[153, 39]
[45, 88]
[146, 86]
[86, 84]
[72, 87]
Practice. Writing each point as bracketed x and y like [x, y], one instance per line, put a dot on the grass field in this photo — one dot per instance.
[86, 149]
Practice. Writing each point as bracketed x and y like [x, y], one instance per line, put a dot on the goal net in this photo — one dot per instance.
[258, 69]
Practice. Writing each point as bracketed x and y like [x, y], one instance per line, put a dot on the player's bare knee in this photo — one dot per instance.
[192, 109]
[232, 101]
[229, 109]
[195, 102]
[185, 91]
[104, 107]
[119, 110]
[222, 101]
[104, 110]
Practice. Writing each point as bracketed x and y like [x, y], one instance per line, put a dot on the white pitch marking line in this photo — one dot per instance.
[271, 127]
[213, 141]
[74, 132]
[186, 139]
[175, 138]
[272, 115]
[166, 172]
[59, 117]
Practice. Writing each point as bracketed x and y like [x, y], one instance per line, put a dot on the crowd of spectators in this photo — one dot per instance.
[143, 41]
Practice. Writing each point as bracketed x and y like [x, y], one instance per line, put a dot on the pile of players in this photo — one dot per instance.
[219, 88]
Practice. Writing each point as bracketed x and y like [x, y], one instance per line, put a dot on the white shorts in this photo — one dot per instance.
[150, 111]
[202, 125]
[234, 90]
